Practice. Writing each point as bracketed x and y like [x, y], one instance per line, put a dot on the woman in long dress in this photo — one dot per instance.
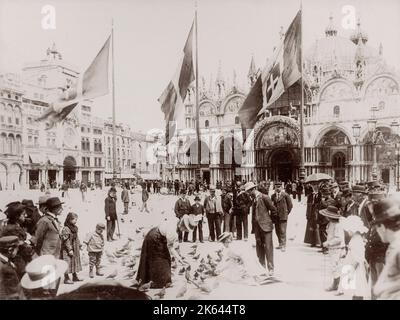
[312, 232]
[155, 257]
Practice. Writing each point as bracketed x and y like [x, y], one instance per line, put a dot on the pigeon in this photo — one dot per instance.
[202, 261]
[194, 246]
[202, 278]
[182, 271]
[205, 288]
[196, 257]
[187, 273]
[137, 231]
[182, 291]
[161, 293]
[146, 286]
[196, 275]
[112, 275]
[109, 255]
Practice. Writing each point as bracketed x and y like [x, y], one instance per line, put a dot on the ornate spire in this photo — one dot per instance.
[234, 78]
[219, 82]
[330, 30]
[359, 33]
[252, 75]
[53, 53]
[360, 63]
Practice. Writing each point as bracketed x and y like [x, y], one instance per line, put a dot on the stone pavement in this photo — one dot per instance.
[303, 273]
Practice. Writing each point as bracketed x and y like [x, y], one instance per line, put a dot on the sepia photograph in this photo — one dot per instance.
[179, 150]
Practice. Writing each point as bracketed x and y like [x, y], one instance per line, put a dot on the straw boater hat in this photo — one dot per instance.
[330, 212]
[224, 236]
[187, 223]
[43, 271]
[9, 242]
[354, 224]
[359, 189]
[249, 185]
[42, 200]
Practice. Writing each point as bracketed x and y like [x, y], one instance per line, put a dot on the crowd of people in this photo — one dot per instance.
[357, 228]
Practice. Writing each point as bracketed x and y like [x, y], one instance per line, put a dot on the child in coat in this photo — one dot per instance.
[95, 247]
[334, 243]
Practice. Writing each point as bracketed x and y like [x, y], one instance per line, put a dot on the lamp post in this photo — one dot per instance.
[397, 146]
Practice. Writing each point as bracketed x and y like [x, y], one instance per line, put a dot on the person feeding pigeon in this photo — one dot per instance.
[155, 257]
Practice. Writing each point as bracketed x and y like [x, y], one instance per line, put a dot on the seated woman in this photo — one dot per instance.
[155, 257]
[239, 262]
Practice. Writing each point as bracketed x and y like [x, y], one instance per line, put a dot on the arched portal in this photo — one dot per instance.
[282, 165]
[69, 169]
[339, 166]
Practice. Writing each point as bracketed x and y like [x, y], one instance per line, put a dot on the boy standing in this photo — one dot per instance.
[95, 247]
[198, 211]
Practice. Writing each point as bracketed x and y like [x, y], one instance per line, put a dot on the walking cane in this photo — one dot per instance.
[119, 232]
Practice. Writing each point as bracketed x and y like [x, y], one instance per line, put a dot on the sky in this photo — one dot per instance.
[150, 34]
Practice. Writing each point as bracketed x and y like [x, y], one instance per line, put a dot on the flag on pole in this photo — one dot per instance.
[284, 71]
[174, 95]
[93, 84]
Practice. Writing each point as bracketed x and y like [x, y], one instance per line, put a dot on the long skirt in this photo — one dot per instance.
[155, 260]
[312, 233]
[74, 262]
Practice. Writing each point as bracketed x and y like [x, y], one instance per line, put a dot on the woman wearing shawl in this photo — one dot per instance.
[70, 248]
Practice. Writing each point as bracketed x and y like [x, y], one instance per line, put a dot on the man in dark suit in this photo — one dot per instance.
[48, 229]
[337, 200]
[110, 209]
[283, 204]
[263, 209]
[182, 207]
[244, 204]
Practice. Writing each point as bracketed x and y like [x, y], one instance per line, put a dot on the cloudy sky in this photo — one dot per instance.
[150, 34]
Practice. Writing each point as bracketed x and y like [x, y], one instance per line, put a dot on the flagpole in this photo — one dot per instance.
[197, 100]
[113, 102]
[302, 169]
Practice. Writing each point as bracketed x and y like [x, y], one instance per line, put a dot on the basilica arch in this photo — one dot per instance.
[277, 149]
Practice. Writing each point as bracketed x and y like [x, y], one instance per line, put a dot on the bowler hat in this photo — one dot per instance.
[373, 184]
[278, 184]
[376, 195]
[43, 271]
[112, 189]
[385, 210]
[8, 242]
[330, 212]
[27, 203]
[249, 185]
[359, 189]
[347, 192]
[53, 202]
[183, 191]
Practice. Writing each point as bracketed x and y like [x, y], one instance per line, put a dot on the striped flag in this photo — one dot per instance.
[94, 83]
[174, 95]
[276, 78]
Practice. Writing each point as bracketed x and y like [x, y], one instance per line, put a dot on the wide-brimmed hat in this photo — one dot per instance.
[9, 242]
[385, 210]
[43, 200]
[53, 202]
[354, 224]
[187, 223]
[112, 189]
[100, 226]
[346, 192]
[330, 212]
[224, 236]
[249, 185]
[27, 203]
[15, 211]
[359, 189]
[43, 271]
